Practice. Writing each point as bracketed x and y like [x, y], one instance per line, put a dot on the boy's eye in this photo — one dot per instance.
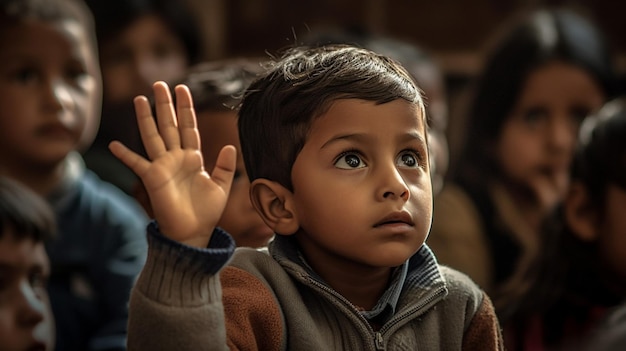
[349, 161]
[578, 114]
[75, 75]
[532, 117]
[38, 279]
[26, 75]
[407, 159]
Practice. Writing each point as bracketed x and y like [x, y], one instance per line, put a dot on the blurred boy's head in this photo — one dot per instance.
[26, 321]
[50, 88]
[140, 42]
[217, 88]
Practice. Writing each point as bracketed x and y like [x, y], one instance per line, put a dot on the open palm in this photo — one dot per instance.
[187, 202]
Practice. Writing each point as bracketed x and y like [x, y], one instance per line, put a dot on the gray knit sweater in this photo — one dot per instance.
[220, 299]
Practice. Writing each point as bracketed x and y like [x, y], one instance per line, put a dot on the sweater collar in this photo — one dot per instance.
[420, 271]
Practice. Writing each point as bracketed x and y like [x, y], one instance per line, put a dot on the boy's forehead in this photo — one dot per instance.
[347, 116]
[74, 31]
[355, 105]
[69, 30]
[16, 248]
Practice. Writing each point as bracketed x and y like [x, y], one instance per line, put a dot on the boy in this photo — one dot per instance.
[334, 141]
[26, 220]
[50, 92]
[217, 88]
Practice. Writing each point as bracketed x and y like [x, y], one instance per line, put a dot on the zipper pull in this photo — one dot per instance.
[378, 340]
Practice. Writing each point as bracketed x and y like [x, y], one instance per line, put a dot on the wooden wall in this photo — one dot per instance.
[456, 31]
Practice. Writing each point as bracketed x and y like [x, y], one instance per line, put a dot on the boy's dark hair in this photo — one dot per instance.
[600, 159]
[14, 12]
[278, 109]
[24, 213]
[411, 56]
[219, 85]
[542, 36]
[113, 16]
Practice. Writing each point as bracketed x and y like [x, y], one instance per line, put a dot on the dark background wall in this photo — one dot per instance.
[456, 32]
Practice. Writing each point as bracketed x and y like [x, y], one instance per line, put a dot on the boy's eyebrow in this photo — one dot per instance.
[336, 138]
[414, 135]
[408, 136]
[8, 267]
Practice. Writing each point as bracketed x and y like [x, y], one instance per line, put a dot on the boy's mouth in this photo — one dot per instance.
[37, 346]
[54, 130]
[402, 217]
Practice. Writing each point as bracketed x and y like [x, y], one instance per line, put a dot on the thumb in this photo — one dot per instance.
[224, 169]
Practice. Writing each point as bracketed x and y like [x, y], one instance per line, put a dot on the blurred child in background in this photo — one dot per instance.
[580, 274]
[50, 92]
[26, 221]
[544, 76]
[140, 42]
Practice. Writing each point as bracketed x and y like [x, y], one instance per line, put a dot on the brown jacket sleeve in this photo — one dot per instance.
[484, 331]
[253, 318]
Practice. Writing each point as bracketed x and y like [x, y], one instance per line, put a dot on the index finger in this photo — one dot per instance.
[150, 137]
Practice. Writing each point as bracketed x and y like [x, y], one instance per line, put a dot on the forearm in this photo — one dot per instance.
[176, 303]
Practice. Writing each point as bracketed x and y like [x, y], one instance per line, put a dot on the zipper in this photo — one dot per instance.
[378, 338]
[379, 341]
[397, 319]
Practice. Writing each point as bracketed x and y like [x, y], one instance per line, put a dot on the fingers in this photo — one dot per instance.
[152, 141]
[189, 135]
[166, 116]
[225, 165]
[174, 127]
[132, 160]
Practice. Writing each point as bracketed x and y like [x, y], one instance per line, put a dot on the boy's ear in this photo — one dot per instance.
[580, 214]
[274, 203]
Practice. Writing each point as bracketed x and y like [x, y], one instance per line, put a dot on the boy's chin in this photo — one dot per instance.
[393, 258]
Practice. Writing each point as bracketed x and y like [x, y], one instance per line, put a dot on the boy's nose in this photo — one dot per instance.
[562, 135]
[59, 95]
[393, 185]
[31, 306]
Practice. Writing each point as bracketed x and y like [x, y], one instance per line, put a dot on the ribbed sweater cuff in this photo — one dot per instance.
[181, 275]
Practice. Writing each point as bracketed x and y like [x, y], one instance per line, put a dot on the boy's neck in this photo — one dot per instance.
[40, 179]
[362, 291]
[362, 286]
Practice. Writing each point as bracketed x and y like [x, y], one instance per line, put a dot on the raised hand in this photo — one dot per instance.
[187, 202]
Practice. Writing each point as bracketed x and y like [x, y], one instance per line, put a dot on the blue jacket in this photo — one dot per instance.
[98, 252]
